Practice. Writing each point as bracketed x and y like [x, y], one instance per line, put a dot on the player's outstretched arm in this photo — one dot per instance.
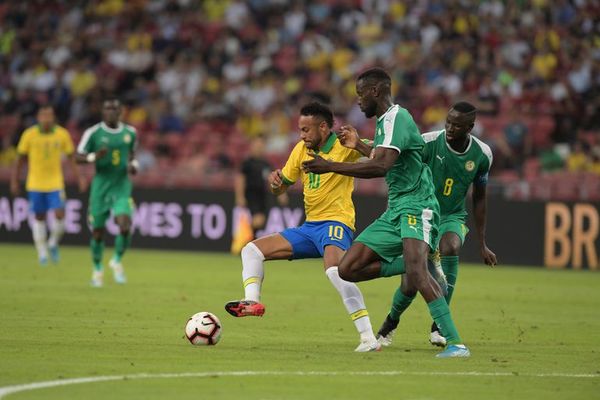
[348, 137]
[378, 165]
[239, 186]
[81, 182]
[84, 158]
[276, 183]
[480, 210]
[15, 189]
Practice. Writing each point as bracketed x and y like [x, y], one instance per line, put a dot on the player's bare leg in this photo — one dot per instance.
[272, 247]
[360, 263]
[56, 233]
[40, 233]
[352, 298]
[122, 243]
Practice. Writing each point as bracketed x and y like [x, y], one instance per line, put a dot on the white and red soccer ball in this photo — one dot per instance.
[203, 328]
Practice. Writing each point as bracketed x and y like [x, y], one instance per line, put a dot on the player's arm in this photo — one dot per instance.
[134, 165]
[382, 159]
[15, 189]
[82, 157]
[348, 137]
[277, 182]
[480, 210]
[239, 186]
[81, 182]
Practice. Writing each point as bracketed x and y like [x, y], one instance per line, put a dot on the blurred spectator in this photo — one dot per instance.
[241, 67]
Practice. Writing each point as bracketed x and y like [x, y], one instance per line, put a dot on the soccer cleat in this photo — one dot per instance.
[368, 345]
[454, 351]
[43, 261]
[54, 255]
[118, 272]
[386, 332]
[436, 339]
[245, 308]
[97, 279]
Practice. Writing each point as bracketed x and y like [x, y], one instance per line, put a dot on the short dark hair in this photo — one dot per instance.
[464, 107]
[46, 106]
[375, 75]
[316, 109]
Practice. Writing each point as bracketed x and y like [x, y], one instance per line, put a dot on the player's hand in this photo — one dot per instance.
[348, 136]
[275, 179]
[318, 165]
[101, 153]
[241, 202]
[82, 184]
[488, 256]
[15, 188]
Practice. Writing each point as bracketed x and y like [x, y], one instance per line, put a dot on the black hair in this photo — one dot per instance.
[375, 75]
[45, 107]
[464, 107]
[317, 109]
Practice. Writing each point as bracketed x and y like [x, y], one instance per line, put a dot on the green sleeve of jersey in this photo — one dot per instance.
[401, 132]
[428, 151]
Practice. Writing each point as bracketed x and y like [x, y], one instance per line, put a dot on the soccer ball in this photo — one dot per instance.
[203, 328]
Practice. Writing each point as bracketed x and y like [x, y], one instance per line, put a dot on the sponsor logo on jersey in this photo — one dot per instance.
[127, 138]
[469, 166]
[440, 158]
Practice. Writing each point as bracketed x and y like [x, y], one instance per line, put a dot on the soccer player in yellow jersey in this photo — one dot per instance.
[41, 147]
[327, 231]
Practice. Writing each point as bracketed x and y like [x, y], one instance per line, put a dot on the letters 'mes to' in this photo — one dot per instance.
[571, 236]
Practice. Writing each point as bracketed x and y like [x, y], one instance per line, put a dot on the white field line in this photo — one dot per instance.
[6, 390]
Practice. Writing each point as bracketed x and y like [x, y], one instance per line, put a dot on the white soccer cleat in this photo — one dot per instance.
[368, 345]
[387, 339]
[118, 272]
[436, 339]
[97, 279]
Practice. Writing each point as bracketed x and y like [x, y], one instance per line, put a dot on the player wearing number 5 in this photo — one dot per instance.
[110, 146]
[327, 231]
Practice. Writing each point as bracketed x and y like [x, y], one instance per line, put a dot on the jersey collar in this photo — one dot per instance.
[52, 130]
[326, 148]
[111, 130]
[456, 152]
[388, 110]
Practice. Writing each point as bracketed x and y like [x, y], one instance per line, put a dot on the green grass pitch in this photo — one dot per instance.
[533, 333]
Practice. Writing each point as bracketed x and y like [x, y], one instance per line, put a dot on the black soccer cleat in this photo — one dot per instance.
[386, 332]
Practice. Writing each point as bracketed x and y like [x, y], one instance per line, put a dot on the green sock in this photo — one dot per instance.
[97, 248]
[122, 242]
[441, 315]
[392, 268]
[400, 303]
[450, 268]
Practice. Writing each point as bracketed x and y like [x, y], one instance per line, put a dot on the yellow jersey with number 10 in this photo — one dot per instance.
[44, 151]
[327, 197]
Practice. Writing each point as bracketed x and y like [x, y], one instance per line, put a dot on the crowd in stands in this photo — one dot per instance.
[199, 77]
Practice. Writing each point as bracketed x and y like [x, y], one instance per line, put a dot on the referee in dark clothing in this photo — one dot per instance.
[251, 188]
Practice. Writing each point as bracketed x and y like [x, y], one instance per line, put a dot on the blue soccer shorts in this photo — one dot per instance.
[42, 202]
[309, 239]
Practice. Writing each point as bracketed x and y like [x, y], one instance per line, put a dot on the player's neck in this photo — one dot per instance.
[460, 145]
[113, 125]
[383, 107]
[46, 129]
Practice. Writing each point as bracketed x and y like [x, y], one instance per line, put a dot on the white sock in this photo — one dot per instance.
[56, 233]
[252, 271]
[39, 238]
[354, 302]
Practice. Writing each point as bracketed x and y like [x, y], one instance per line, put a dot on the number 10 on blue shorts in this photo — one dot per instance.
[309, 239]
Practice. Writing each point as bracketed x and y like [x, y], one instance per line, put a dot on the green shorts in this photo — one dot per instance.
[384, 236]
[454, 224]
[106, 198]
